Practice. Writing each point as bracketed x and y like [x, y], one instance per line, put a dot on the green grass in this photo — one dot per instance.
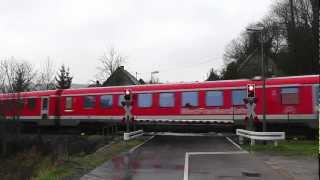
[78, 165]
[288, 148]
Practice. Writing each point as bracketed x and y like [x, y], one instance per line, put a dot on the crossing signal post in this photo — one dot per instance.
[250, 102]
[127, 105]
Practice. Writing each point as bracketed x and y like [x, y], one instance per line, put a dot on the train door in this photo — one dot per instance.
[44, 107]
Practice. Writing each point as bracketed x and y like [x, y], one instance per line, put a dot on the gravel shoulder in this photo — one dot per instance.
[293, 167]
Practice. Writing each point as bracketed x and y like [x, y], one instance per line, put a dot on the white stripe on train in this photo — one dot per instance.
[206, 118]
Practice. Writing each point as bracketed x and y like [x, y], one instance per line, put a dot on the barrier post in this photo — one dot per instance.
[240, 140]
[127, 124]
[252, 142]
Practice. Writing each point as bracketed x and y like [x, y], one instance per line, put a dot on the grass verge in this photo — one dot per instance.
[288, 148]
[74, 167]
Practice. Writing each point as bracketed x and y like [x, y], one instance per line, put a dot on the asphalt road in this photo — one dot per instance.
[171, 157]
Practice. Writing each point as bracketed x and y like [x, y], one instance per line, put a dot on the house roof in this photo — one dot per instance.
[242, 65]
[120, 77]
[252, 65]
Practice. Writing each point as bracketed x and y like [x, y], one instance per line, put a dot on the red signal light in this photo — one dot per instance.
[251, 90]
[127, 95]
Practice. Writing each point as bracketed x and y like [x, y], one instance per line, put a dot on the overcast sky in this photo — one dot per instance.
[181, 39]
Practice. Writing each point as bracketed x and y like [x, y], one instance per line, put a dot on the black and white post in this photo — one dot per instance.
[127, 105]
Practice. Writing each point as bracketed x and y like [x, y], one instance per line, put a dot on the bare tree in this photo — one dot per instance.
[110, 60]
[7, 73]
[290, 37]
[2, 77]
[17, 76]
[45, 78]
[23, 77]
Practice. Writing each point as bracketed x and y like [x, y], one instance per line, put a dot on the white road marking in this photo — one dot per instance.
[210, 134]
[176, 134]
[188, 154]
[136, 147]
[186, 167]
[186, 160]
[216, 153]
[235, 144]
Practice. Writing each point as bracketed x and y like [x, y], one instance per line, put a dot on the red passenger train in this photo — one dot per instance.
[288, 99]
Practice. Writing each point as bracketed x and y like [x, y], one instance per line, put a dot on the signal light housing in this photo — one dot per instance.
[127, 95]
[251, 91]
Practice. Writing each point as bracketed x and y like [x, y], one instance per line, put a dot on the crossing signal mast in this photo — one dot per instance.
[127, 105]
[251, 101]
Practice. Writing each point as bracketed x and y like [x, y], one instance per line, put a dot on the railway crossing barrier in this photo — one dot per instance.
[131, 135]
[265, 136]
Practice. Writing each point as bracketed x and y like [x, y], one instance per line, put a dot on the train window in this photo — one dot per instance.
[166, 100]
[89, 101]
[238, 96]
[189, 99]
[121, 99]
[106, 101]
[214, 98]
[290, 95]
[31, 103]
[144, 100]
[68, 104]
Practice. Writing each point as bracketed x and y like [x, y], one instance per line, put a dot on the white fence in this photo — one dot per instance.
[131, 135]
[266, 136]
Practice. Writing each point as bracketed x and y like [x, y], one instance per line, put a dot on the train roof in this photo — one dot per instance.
[311, 79]
[289, 80]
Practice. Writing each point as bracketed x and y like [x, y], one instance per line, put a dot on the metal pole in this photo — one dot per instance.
[264, 125]
[127, 122]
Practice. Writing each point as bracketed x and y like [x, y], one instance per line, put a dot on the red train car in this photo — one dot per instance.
[288, 100]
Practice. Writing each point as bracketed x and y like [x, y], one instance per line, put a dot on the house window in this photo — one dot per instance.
[89, 101]
[31, 103]
[238, 96]
[166, 100]
[189, 99]
[214, 98]
[290, 95]
[69, 102]
[121, 99]
[106, 101]
[144, 100]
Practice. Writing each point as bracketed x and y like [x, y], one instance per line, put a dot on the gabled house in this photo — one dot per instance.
[120, 77]
[251, 66]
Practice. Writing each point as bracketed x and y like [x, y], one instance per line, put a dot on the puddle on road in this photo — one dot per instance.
[127, 166]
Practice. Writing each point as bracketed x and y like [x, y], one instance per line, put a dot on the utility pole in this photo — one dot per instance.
[264, 125]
